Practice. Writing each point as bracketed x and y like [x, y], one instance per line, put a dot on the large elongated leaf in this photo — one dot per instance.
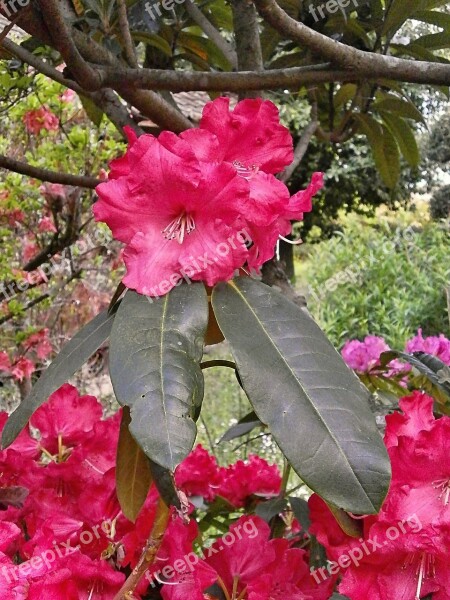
[74, 354]
[315, 407]
[133, 474]
[156, 348]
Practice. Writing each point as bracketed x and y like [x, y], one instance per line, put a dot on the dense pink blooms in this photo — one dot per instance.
[247, 478]
[199, 475]
[436, 345]
[39, 119]
[203, 204]
[403, 551]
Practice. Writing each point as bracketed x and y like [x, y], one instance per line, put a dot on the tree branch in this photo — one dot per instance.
[186, 81]
[44, 175]
[368, 64]
[61, 35]
[301, 147]
[248, 42]
[214, 35]
[106, 99]
[130, 49]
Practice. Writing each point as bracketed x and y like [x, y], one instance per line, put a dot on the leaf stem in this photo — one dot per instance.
[217, 363]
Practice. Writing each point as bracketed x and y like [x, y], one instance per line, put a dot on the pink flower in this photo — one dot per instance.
[216, 203]
[66, 418]
[253, 477]
[438, 346]
[39, 343]
[252, 139]
[5, 363]
[23, 369]
[179, 236]
[403, 552]
[53, 191]
[68, 96]
[42, 118]
[364, 356]
[46, 224]
[199, 474]
[30, 250]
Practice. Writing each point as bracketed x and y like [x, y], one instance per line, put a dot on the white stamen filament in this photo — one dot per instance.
[247, 172]
[444, 485]
[179, 227]
[292, 242]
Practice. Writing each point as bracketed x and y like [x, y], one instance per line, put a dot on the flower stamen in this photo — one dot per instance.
[245, 171]
[444, 485]
[179, 227]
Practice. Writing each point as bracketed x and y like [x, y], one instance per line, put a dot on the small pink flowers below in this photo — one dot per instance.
[39, 119]
[201, 205]
[438, 346]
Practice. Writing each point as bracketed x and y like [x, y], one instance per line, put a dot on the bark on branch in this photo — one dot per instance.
[367, 64]
[17, 166]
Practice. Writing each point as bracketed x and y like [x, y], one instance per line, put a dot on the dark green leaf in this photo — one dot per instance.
[404, 137]
[301, 512]
[271, 508]
[156, 348]
[74, 354]
[315, 407]
[242, 427]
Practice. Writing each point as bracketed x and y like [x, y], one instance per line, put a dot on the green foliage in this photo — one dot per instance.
[380, 278]
[439, 141]
[440, 204]
[295, 381]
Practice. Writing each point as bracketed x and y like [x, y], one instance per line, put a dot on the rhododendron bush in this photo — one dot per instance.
[127, 506]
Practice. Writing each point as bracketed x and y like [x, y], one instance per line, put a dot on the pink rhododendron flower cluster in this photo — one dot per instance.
[364, 357]
[202, 204]
[39, 119]
[200, 475]
[404, 551]
[63, 535]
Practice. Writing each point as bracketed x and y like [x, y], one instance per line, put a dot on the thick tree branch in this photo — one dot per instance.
[61, 35]
[44, 175]
[149, 103]
[248, 42]
[368, 64]
[186, 81]
[214, 35]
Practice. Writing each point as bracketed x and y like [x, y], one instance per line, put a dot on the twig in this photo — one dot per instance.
[23, 168]
[214, 35]
[130, 50]
[300, 149]
[61, 34]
